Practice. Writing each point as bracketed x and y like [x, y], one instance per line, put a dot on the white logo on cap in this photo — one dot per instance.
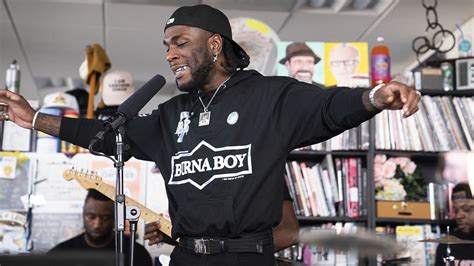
[171, 20]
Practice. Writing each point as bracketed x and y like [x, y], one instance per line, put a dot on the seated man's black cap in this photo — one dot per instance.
[211, 19]
[461, 191]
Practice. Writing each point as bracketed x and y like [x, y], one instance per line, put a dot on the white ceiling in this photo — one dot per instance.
[54, 33]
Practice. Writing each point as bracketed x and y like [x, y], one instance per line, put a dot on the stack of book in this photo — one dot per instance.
[328, 189]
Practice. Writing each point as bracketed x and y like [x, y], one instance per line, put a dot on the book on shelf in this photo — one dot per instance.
[328, 163]
[340, 187]
[438, 199]
[353, 189]
[309, 188]
[421, 253]
[294, 190]
[451, 214]
[290, 185]
[328, 190]
[362, 184]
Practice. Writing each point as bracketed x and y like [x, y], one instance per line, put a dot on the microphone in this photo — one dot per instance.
[138, 99]
[131, 106]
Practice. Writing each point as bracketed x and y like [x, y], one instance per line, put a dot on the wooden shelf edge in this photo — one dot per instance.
[320, 153]
[409, 153]
[447, 93]
[414, 221]
[331, 219]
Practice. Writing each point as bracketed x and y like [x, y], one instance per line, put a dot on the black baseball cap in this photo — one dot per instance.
[211, 19]
[461, 191]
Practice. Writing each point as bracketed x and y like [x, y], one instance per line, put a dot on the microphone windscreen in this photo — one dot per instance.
[130, 107]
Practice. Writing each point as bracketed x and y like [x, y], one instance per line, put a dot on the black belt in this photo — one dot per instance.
[248, 243]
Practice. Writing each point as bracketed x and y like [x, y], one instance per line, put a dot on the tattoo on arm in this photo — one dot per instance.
[48, 124]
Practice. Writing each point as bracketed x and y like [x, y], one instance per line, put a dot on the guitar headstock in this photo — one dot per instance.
[85, 178]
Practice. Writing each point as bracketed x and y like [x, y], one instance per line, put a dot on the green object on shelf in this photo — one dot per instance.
[414, 184]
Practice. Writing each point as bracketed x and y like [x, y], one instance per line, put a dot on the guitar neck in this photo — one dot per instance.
[147, 214]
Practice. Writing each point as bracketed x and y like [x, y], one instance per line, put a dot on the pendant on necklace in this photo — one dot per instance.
[204, 118]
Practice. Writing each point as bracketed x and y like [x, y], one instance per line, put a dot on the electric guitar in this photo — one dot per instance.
[91, 180]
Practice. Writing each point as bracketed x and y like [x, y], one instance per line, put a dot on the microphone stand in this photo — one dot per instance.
[448, 259]
[133, 213]
[125, 111]
[119, 207]
[119, 199]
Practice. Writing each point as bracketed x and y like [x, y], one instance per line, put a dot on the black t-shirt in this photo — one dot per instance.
[463, 253]
[226, 179]
[78, 244]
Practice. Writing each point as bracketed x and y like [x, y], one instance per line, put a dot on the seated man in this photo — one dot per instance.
[99, 236]
[463, 205]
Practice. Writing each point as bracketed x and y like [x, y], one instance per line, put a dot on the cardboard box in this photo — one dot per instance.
[403, 209]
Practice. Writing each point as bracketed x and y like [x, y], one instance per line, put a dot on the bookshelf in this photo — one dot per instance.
[427, 160]
[424, 154]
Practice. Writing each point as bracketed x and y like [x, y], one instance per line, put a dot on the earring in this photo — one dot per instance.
[214, 59]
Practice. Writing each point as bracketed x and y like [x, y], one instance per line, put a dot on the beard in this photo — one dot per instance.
[200, 70]
[100, 239]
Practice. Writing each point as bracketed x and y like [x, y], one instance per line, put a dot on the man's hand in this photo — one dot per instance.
[396, 96]
[16, 108]
[152, 233]
[155, 236]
